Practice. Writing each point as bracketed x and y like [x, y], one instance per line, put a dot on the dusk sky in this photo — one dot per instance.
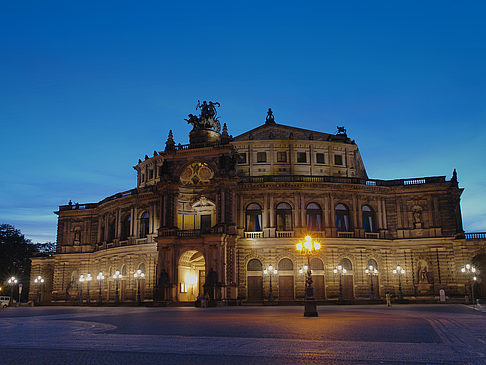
[88, 88]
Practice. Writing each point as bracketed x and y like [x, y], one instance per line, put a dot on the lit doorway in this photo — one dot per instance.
[192, 275]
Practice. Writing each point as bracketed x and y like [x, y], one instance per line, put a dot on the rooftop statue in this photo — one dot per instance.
[207, 119]
[341, 130]
[270, 118]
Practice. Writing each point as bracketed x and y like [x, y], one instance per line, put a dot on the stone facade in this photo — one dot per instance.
[211, 215]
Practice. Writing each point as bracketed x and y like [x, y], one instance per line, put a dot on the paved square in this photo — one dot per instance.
[243, 335]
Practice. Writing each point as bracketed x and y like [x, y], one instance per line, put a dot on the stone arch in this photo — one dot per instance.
[254, 280]
[191, 274]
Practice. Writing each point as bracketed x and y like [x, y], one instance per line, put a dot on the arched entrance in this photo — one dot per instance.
[285, 280]
[318, 283]
[254, 281]
[191, 274]
[479, 262]
[347, 280]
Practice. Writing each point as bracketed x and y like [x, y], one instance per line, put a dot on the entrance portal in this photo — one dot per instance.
[192, 274]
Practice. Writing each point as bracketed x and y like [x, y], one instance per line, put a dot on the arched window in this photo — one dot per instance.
[253, 218]
[346, 264]
[285, 264]
[102, 232]
[254, 265]
[141, 267]
[144, 224]
[314, 217]
[125, 227]
[368, 219]
[373, 263]
[124, 271]
[111, 230]
[342, 218]
[284, 217]
[316, 264]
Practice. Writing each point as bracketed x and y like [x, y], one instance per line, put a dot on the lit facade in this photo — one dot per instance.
[211, 215]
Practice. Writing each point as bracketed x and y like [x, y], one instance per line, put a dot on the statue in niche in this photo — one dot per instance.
[423, 273]
[77, 236]
[417, 216]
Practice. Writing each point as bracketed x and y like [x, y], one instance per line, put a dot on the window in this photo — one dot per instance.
[368, 219]
[281, 156]
[261, 157]
[320, 158]
[346, 264]
[111, 230]
[125, 228]
[143, 178]
[284, 217]
[316, 264]
[183, 288]
[285, 265]
[342, 218]
[253, 218]
[205, 221]
[301, 157]
[242, 158]
[314, 217]
[373, 263]
[144, 224]
[151, 174]
[254, 265]
[338, 160]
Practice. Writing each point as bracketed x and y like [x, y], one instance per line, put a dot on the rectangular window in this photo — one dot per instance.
[301, 157]
[281, 156]
[242, 158]
[261, 157]
[338, 159]
[205, 221]
[320, 158]
[183, 288]
[151, 174]
[143, 178]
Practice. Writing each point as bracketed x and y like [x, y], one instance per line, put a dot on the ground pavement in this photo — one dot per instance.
[403, 334]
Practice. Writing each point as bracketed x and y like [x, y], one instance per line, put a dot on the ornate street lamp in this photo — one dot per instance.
[99, 278]
[88, 279]
[12, 282]
[371, 272]
[472, 273]
[340, 270]
[270, 271]
[399, 271]
[308, 248]
[39, 280]
[117, 276]
[139, 275]
[82, 279]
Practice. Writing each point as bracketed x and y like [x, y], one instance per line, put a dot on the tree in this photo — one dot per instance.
[15, 254]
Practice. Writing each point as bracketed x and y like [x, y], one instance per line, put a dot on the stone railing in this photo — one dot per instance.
[284, 234]
[475, 236]
[253, 234]
[345, 234]
[372, 235]
[342, 180]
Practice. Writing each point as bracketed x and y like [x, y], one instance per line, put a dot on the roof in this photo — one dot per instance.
[281, 132]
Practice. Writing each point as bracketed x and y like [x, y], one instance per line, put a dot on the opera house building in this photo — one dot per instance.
[210, 217]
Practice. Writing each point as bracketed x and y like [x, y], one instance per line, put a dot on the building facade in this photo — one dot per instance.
[210, 216]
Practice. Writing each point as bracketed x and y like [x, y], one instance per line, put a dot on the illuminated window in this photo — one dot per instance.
[281, 156]
[261, 157]
[301, 157]
[183, 288]
[320, 158]
[314, 217]
[253, 218]
[342, 218]
[284, 217]
[144, 224]
[368, 219]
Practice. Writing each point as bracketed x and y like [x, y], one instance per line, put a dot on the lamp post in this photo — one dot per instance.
[372, 271]
[270, 271]
[340, 270]
[99, 278]
[88, 279]
[39, 280]
[12, 282]
[308, 248]
[471, 272]
[139, 275]
[117, 276]
[399, 271]
[82, 279]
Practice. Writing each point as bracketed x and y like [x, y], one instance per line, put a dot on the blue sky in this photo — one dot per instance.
[87, 88]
